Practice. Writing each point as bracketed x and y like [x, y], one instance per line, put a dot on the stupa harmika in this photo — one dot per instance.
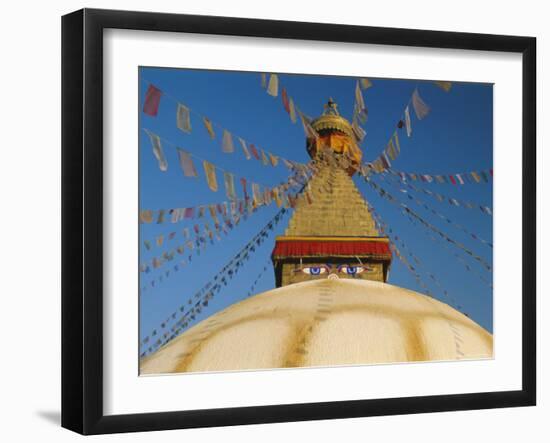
[332, 305]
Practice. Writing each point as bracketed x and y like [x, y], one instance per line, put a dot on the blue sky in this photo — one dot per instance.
[455, 137]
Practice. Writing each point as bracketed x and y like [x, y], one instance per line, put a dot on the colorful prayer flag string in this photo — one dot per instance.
[395, 240]
[385, 194]
[463, 178]
[189, 169]
[442, 198]
[183, 119]
[438, 214]
[208, 291]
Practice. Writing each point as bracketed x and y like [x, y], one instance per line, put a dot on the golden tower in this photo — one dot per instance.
[333, 232]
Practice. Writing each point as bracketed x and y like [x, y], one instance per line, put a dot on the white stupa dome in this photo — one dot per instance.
[324, 322]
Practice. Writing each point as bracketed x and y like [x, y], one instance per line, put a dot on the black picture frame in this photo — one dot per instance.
[82, 219]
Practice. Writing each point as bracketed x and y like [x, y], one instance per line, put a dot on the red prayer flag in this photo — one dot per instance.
[453, 181]
[286, 104]
[254, 152]
[152, 101]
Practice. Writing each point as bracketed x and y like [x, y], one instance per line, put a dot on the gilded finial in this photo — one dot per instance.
[331, 107]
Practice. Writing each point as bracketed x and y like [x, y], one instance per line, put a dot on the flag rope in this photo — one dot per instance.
[200, 242]
[443, 198]
[443, 217]
[461, 178]
[210, 289]
[383, 193]
[395, 239]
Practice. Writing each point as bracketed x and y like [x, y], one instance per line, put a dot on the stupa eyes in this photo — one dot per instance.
[325, 269]
[315, 270]
[351, 270]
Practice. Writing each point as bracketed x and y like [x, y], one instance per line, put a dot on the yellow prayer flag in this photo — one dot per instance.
[365, 83]
[274, 159]
[397, 145]
[210, 172]
[292, 110]
[273, 86]
[209, 127]
[276, 196]
[446, 86]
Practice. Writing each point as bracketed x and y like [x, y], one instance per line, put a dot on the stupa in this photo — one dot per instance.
[332, 305]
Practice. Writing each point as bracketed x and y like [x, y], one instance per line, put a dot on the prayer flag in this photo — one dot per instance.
[254, 152]
[308, 130]
[152, 100]
[210, 172]
[183, 118]
[453, 181]
[157, 151]
[188, 212]
[391, 150]
[276, 197]
[160, 217]
[359, 101]
[186, 163]
[292, 110]
[243, 183]
[265, 161]
[273, 86]
[358, 131]
[475, 176]
[160, 240]
[274, 159]
[256, 194]
[365, 83]
[209, 127]
[175, 215]
[146, 216]
[212, 210]
[245, 149]
[264, 80]
[397, 145]
[284, 97]
[420, 107]
[147, 244]
[408, 121]
[459, 178]
[227, 142]
[446, 86]
[229, 185]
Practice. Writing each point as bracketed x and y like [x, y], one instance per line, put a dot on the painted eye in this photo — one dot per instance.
[352, 270]
[314, 270]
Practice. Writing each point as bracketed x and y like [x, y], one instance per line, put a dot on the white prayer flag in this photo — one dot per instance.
[157, 151]
[245, 149]
[359, 101]
[183, 118]
[421, 109]
[408, 121]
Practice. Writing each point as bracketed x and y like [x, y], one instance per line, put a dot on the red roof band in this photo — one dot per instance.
[321, 248]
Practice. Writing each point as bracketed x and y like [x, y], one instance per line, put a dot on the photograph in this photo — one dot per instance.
[290, 220]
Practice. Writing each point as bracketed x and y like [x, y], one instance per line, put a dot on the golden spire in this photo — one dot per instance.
[336, 133]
